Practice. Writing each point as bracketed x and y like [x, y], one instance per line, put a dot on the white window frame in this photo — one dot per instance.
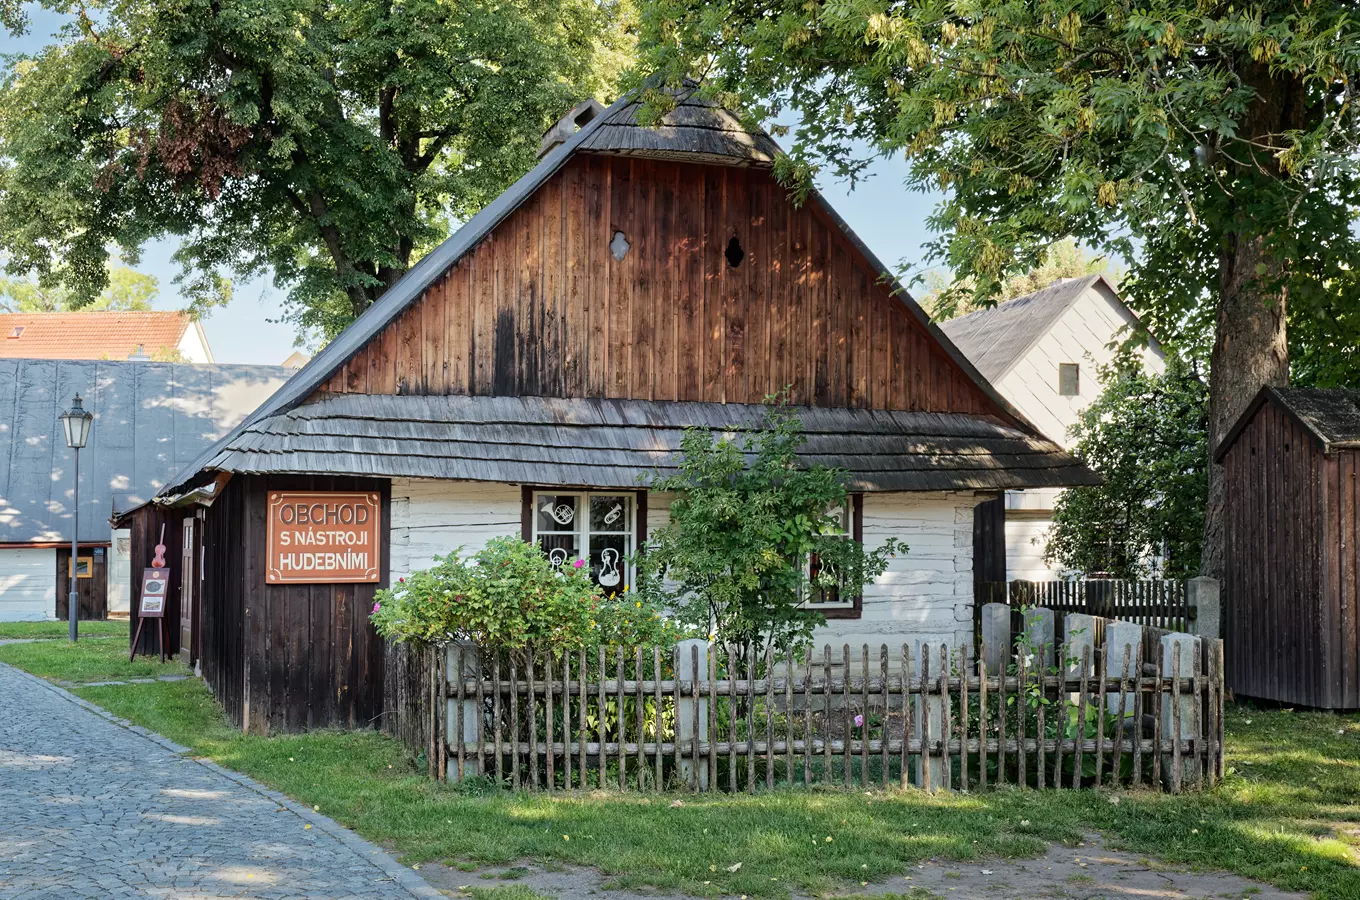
[848, 524]
[583, 532]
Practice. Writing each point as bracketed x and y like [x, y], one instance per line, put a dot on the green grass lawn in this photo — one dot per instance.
[1288, 814]
[102, 628]
[91, 659]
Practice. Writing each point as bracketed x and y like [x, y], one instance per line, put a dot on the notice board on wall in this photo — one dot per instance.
[323, 537]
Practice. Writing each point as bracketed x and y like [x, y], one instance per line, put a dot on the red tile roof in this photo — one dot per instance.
[90, 335]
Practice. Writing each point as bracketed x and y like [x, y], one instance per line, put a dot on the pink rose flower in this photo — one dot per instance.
[859, 721]
[578, 564]
[376, 607]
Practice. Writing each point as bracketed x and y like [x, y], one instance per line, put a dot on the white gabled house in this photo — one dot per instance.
[1042, 352]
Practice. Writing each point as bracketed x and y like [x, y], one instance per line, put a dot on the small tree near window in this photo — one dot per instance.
[1147, 437]
[745, 520]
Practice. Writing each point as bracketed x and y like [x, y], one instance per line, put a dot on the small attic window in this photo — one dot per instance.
[619, 246]
[734, 253]
[1069, 379]
[18, 330]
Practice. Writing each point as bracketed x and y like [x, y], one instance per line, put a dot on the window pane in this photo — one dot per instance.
[561, 549]
[608, 564]
[1069, 379]
[556, 512]
[609, 512]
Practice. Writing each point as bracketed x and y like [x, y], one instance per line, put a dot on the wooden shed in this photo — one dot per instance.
[1292, 582]
[531, 374]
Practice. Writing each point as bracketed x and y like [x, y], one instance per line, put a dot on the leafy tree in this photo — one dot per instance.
[1213, 145]
[127, 290]
[1146, 435]
[328, 145]
[946, 298]
[735, 559]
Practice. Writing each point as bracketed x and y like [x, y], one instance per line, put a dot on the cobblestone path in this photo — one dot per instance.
[90, 809]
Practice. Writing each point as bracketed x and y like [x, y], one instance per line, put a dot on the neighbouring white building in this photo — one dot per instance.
[1042, 352]
[149, 419]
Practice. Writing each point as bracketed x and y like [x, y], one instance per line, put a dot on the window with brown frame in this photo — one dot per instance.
[830, 603]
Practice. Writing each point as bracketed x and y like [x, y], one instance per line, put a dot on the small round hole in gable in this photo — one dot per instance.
[619, 246]
[734, 253]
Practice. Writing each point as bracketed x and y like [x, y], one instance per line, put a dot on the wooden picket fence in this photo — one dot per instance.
[1156, 603]
[736, 719]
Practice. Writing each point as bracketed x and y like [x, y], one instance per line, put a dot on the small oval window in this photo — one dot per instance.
[619, 246]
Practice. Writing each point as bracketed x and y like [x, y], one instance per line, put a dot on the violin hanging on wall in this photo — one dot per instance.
[158, 560]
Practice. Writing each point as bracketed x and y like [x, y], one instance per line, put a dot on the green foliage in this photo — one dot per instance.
[745, 521]
[327, 145]
[945, 298]
[1146, 435]
[509, 596]
[127, 290]
[1175, 133]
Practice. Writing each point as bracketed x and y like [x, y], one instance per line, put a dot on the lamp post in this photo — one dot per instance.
[76, 421]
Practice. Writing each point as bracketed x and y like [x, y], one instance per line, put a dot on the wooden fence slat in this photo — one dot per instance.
[947, 716]
[677, 708]
[750, 719]
[656, 718]
[549, 774]
[1176, 718]
[1021, 711]
[514, 723]
[924, 765]
[847, 758]
[641, 717]
[496, 718]
[826, 745]
[532, 767]
[769, 714]
[731, 720]
[1040, 731]
[695, 759]
[461, 725]
[1196, 669]
[788, 711]
[602, 723]
[807, 726]
[887, 716]
[1083, 693]
[1138, 717]
[1001, 718]
[1103, 672]
[1157, 718]
[864, 717]
[1060, 708]
[981, 666]
[582, 712]
[620, 697]
[713, 717]
[906, 713]
[566, 718]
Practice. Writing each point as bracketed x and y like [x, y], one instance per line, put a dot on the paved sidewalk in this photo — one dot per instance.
[90, 808]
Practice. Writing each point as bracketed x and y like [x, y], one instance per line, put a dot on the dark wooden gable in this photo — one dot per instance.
[541, 307]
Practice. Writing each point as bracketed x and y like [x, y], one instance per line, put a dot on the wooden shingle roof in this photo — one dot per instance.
[620, 443]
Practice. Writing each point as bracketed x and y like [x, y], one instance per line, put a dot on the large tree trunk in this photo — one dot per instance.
[1249, 352]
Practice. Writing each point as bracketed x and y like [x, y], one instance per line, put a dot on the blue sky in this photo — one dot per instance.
[888, 217]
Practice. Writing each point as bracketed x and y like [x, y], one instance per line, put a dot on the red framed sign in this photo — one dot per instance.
[323, 537]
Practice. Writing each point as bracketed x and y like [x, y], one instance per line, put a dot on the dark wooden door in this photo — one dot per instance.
[93, 590]
[188, 582]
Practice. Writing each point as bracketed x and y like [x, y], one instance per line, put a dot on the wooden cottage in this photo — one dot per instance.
[531, 373]
[1291, 586]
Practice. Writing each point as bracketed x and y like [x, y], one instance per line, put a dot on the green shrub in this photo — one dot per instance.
[508, 596]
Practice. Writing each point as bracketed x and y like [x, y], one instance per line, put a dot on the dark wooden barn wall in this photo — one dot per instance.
[1278, 619]
[93, 592]
[286, 657]
[542, 308]
[1340, 646]
[146, 533]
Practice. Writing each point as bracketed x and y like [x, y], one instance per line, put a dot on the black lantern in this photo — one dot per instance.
[76, 421]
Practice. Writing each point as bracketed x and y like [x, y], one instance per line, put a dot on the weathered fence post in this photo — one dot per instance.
[1180, 720]
[692, 770]
[462, 662]
[1122, 640]
[996, 637]
[931, 769]
[1040, 634]
[1205, 611]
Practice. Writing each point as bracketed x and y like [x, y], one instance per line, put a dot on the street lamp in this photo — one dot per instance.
[76, 421]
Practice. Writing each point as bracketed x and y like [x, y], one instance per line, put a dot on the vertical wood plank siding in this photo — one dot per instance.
[1292, 575]
[146, 533]
[286, 657]
[543, 308]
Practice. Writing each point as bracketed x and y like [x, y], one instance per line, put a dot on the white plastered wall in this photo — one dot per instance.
[1086, 334]
[926, 592]
[28, 584]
